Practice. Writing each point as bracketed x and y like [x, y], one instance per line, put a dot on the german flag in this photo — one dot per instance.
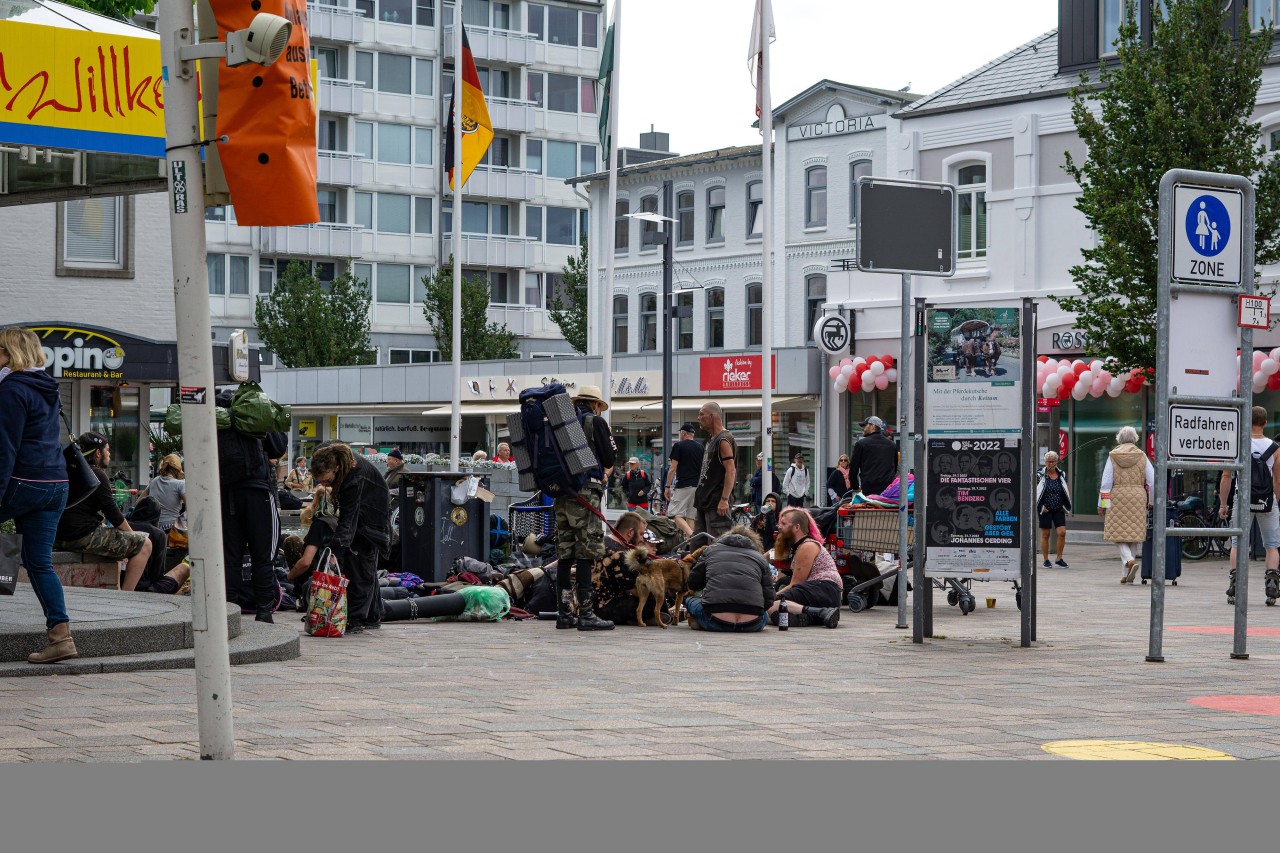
[477, 129]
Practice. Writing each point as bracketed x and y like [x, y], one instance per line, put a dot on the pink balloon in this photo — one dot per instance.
[833, 371]
[1099, 385]
[846, 361]
[882, 382]
[1258, 356]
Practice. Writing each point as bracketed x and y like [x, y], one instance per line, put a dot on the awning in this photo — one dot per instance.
[312, 409]
[507, 407]
[729, 404]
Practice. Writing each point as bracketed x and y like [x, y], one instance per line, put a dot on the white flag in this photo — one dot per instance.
[755, 53]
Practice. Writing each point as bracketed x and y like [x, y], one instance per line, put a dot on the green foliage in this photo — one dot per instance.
[121, 10]
[569, 308]
[307, 324]
[480, 338]
[1185, 101]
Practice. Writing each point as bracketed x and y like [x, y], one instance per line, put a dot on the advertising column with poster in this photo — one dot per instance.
[973, 423]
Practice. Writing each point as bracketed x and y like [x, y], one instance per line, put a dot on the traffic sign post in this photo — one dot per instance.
[1203, 402]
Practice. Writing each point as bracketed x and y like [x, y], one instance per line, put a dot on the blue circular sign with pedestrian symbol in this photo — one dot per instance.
[1208, 226]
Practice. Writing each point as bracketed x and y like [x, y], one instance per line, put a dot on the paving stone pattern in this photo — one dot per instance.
[527, 691]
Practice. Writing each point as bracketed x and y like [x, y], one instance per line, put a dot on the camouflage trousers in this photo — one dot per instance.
[579, 531]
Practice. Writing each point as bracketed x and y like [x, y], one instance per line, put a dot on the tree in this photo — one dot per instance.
[480, 338]
[1185, 101]
[310, 324]
[121, 10]
[568, 306]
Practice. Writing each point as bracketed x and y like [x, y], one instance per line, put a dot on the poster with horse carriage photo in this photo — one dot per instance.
[973, 370]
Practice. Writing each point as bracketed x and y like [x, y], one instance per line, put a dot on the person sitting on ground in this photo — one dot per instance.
[169, 489]
[733, 585]
[812, 596]
[319, 519]
[613, 582]
[766, 523]
[144, 519]
[83, 527]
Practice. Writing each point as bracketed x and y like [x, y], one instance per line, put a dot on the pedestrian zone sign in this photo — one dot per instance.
[1203, 432]
[1207, 239]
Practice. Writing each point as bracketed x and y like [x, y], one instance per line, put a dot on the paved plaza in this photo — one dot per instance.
[527, 691]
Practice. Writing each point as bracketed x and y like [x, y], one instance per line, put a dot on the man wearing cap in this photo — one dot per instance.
[83, 526]
[579, 531]
[683, 467]
[874, 462]
[395, 469]
[757, 484]
[636, 485]
[796, 483]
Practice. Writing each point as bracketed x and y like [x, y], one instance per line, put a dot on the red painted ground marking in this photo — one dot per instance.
[1268, 706]
[1224, 629]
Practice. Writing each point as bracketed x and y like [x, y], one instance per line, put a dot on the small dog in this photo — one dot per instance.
[655, 576]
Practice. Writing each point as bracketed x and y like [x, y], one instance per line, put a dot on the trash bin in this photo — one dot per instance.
[433, 530]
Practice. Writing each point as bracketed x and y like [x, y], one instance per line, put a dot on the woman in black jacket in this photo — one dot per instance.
[33, 477]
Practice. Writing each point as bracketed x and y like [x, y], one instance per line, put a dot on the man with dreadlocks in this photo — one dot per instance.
[363, 533]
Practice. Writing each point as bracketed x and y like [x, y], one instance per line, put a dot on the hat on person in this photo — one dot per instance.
[689, 427]
[91, 441]
[590, 393]
[798, 456]
[633, 461]
[874, 421]
[396, 454]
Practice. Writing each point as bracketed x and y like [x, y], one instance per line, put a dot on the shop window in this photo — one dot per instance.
[648, 322]
[857, 169]
[971, 185]
[94, 237]
[621, 308]
[755, 205]
[715, 215]
[621, 227]
[715, 318]
[755, 315]
[815, 197]
[684, 219]
[815, 293]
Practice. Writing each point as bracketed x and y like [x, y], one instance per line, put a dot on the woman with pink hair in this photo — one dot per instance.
[813, 595]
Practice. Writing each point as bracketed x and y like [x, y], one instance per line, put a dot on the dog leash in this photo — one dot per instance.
[598, 514]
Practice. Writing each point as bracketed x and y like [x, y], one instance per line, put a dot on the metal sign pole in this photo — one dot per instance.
[905, 438]
[1026, 539]
[922, 594]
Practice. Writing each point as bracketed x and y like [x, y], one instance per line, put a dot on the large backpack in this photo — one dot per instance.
[1261, 494]
[549, 442]
[241, 458]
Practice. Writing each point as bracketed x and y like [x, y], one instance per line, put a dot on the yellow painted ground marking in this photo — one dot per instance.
[1132, 750]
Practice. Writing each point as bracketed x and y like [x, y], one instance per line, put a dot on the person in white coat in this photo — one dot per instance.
[795, 485]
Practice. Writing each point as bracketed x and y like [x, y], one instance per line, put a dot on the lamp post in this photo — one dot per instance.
[664, 237]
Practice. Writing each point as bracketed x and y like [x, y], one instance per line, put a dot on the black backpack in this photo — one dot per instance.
[241, 458]
[1261, 493]
[549, 439]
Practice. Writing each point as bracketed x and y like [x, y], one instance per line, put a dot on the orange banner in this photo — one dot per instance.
[269, 117]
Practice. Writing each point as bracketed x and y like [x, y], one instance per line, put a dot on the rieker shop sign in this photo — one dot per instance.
[733, 373]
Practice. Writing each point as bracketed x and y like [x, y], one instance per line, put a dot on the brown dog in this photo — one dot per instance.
[655, 576]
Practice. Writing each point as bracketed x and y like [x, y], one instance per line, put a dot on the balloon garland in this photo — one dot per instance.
[868, 374]
[1078, 379]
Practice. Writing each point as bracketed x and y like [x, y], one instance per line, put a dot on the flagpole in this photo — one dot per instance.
[606, 245]
[455, 415]
[766, 233]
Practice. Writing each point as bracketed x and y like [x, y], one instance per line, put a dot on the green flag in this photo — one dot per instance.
[606, 92]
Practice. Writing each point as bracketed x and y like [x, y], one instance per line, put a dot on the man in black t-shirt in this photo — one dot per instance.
[683, 470]
[719, 472]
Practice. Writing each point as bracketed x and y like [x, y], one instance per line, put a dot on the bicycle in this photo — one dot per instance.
[1192, 512]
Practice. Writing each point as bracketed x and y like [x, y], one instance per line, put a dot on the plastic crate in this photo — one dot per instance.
[872, 530]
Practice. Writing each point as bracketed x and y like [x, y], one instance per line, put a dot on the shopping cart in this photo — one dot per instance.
[864, 533]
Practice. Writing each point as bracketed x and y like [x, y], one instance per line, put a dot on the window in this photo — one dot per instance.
[587, 159]
[502, 16]
[1110, 16]
[538, 21]
[330, 206]
[393, 283]
[499, 153]
[364, 210]
[421, 275]
[590, 28]
[93, 237]
[684, 219]
[562, 93]
[562, 226]
[587, 88]
[395, 11]
[534, 88]
[621, 227]
[755, 315]
[1261, 12]
[364, 68]
[332, 135]
[971, 184]
[423, 146]
[266, 278]
[815, 293]
[219, 213]
[422, 210]
[533, 155]
[393, 213]
[562, 160]
[533, 222]
[396, 355]
[648, 322]
[424, 76]
[395, 74]
[239, 275]
[394, 145]
[329, 63]
[562, 25]
[1272, 138]
[426, 10]
[499, 219]
[620, 319]
[503, 288]
[857, 169]
[475, 217]
[815, 197]
[715, 215]
[715, 318]
[684, 321]
[216, 265]
[755, 205]
[364, 139]
[648, 204]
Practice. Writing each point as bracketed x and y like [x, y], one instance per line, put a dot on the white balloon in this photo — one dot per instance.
[1080, 391]
[1096, 366]
[1086, 378]
[1270, 366]
[1116, 385]
[892, 373]
[876, 369]
[1113, 391]
[1064, 369]
[841, 384]
[857, 359]
[868, 381]
[1051, 383]
[1259, 378]
[846, 371]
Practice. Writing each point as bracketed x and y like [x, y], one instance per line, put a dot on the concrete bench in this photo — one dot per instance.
[83, 570]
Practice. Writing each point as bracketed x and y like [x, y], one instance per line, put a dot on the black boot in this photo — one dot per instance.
[828, 617]
[587, 619]
[264, 616]
[1231, 588]
[564, 615]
